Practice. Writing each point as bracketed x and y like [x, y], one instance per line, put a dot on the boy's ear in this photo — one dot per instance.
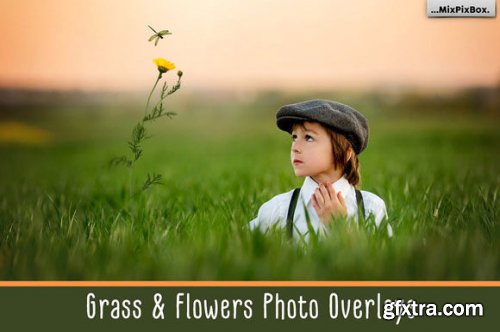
[349, 154]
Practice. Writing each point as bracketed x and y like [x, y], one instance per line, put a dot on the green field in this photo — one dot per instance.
[65, 215]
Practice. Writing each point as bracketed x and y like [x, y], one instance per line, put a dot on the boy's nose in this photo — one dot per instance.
[295, 147]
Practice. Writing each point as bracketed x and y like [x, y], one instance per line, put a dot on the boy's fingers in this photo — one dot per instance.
[331, 190]
[324, 192]
[319, 197]
[341, 198]
[314, 203]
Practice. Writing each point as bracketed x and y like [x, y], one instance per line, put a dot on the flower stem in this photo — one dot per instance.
[151, 93]
[159, 101]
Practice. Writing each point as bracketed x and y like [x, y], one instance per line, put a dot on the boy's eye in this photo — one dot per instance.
[294, 137]
[309, 138]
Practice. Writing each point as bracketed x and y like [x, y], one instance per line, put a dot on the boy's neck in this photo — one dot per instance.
[325, 178]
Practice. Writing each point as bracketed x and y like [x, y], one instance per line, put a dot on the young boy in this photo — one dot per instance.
[327, 137]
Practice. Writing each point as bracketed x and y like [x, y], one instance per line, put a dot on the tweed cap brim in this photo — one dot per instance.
[337, 116]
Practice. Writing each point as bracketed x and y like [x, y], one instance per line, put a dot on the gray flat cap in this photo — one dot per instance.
[339, 117]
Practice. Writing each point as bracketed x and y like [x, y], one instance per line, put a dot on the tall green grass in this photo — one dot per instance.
[65, 215]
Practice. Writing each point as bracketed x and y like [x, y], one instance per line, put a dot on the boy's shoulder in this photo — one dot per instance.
[279, 200]
[272, 211]
[372, 199]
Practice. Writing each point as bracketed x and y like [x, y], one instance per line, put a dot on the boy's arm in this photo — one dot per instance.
[381, 215]
[267, 216]
[376, 206]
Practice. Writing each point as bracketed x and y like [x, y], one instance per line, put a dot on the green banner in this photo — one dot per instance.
[248, 308]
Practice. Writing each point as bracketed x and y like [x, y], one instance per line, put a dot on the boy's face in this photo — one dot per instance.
[312, 153]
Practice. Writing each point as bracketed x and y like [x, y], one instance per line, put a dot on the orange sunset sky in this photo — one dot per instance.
[102, 44]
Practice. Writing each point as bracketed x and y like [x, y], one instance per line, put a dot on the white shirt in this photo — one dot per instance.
[275, 210]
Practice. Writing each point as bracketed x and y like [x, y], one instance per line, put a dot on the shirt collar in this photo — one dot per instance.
[310, 186]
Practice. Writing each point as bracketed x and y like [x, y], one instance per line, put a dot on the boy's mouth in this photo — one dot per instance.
[297, 161]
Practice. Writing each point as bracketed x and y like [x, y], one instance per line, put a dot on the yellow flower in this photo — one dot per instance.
[163, 65]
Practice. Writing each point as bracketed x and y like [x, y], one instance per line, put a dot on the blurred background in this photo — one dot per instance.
[245, 45]
[66, 53]
[74, 78]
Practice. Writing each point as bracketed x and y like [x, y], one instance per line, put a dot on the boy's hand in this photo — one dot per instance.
[328, 203]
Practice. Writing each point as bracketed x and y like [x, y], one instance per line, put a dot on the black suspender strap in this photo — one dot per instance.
[291, 212]
[361, 206]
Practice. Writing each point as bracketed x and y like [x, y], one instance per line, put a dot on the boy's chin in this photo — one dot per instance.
[299, 173]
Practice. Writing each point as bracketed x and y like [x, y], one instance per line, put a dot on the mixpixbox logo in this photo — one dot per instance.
[461, 8]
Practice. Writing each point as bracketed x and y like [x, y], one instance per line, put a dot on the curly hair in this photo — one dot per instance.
[344, 157]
